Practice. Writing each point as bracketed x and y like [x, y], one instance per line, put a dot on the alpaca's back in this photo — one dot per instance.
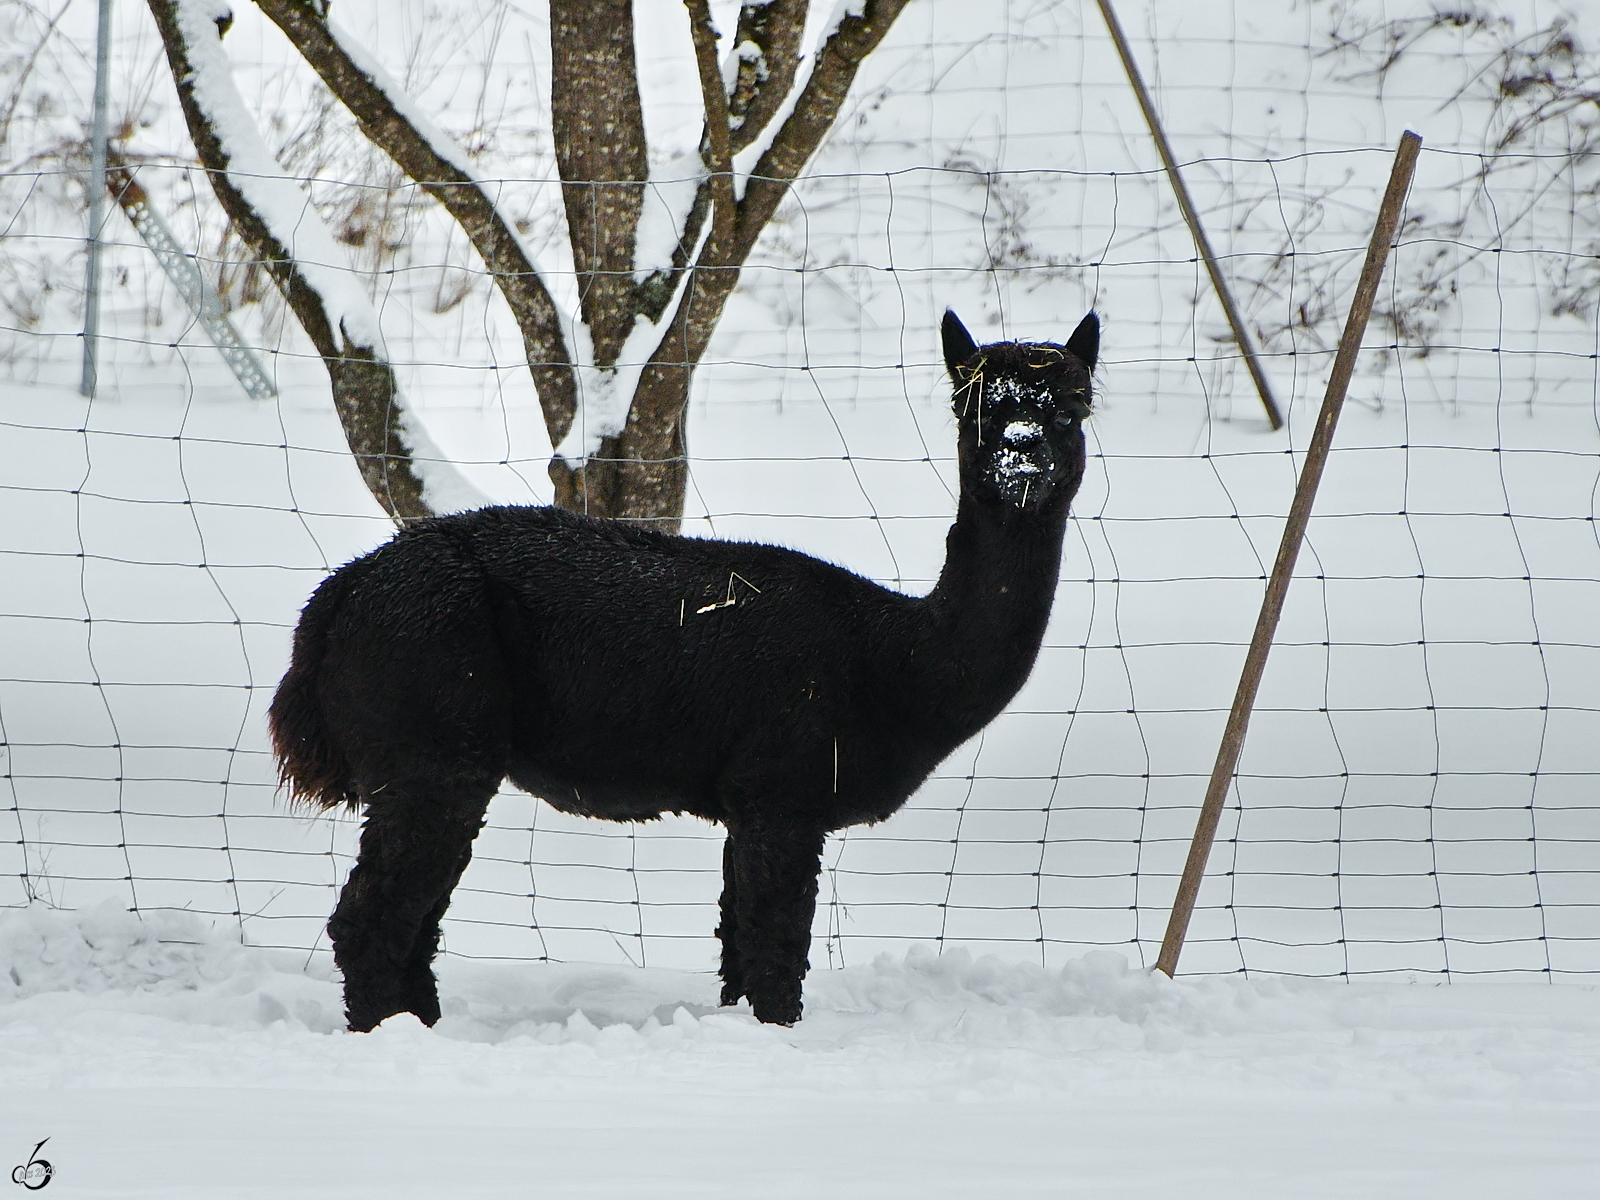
[657, 672]
[621, 673]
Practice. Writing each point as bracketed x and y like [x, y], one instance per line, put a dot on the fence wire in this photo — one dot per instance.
[1418, 790]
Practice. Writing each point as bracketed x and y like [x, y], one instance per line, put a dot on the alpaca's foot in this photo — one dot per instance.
[422, 995]
[778, 1005]
[784, 1013]
[367, 1008]
[365, 1017]
[730, 973]
[363, 1020]
[776, 1002]
[369, 1001]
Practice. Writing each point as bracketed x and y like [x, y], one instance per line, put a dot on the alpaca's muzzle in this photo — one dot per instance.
[1024, 464]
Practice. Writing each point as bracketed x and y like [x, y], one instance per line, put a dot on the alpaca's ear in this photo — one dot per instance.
[1085, 341]
[958, 345]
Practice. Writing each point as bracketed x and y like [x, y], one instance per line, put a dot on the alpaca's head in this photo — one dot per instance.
[1020, 406]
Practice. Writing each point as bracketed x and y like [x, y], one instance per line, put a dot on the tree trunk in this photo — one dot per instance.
[599, 134]
[600, 150]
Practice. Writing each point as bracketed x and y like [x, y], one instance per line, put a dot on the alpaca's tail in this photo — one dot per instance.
[309, 765]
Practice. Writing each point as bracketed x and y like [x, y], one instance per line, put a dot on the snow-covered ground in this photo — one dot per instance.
[163, 1062]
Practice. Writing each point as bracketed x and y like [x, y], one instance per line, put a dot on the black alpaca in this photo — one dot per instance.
[621, 673]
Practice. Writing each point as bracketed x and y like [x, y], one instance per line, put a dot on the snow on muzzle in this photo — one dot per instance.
[1024, 464]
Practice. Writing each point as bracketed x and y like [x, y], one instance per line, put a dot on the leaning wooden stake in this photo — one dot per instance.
[1405, 162]
[1192, 217]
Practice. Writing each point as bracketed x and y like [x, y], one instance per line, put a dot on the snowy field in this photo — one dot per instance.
[164, 1063]
[1392, 986]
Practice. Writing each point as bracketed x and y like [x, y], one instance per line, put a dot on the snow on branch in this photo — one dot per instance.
[396, 124]
[280, 202]
[775, 155]
[757, 75]
[606, 394]
[801, 115]
[402, 467]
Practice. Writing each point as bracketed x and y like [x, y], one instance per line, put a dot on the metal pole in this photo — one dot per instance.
[1192, 217]
[97, 202]
[1305, 494]
[183, 269]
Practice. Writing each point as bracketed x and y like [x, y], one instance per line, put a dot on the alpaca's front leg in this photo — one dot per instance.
[731, 972]
[774, 885]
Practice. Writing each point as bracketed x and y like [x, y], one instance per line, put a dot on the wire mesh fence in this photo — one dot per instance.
[1418, 790]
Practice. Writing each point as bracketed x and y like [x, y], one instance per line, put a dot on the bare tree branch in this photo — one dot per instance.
[763, 81]
[761, 84]
[657, 291]
[463, 197]
[653, 445]
[814, 114]
[715, 98]
[364, 390]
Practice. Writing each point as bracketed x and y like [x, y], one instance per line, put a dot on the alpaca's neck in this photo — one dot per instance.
[989, 610]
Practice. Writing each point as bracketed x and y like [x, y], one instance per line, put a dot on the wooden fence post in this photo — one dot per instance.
[1344, 363]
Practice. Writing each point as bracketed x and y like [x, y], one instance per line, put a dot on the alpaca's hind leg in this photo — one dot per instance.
[732, 972]
[775, 895]
[415, 844]
[420, 988]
